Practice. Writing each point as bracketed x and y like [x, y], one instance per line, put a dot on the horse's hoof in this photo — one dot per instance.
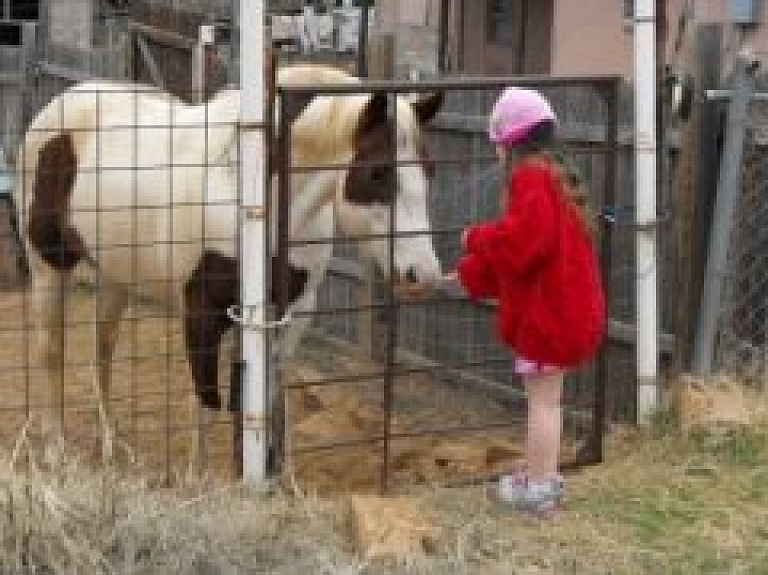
[54, 451]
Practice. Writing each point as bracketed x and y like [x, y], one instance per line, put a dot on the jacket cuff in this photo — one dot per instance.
[476, 238]
[473, 278]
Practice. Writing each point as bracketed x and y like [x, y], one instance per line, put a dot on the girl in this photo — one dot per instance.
[539, 262]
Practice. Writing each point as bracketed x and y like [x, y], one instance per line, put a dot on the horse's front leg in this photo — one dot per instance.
[49, 287]
[110, 304]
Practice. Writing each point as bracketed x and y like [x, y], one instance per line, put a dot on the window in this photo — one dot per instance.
[10, 34]
[502, 22]
[24, 9]
[629, 10]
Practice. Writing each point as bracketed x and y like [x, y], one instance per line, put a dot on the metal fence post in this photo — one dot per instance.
[728, 192]
[646, 221]
[252, 268]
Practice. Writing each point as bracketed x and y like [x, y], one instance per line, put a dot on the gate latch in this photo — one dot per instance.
[244, 316]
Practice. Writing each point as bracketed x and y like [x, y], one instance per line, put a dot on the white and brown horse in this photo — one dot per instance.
[143, 189]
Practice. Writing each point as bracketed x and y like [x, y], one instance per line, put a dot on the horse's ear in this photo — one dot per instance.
[374, 114]
[427, 107]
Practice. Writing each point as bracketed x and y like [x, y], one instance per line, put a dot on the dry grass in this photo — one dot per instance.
[661, 504]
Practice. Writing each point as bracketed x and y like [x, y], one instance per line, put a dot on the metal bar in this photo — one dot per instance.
[391, 334]
[288, 109]
[399, 371]
[388, 437]
[725, 95]
[463, 160]
[149, 62]
[443, 31]
[728, 194]
[646, 264]
[463, 83]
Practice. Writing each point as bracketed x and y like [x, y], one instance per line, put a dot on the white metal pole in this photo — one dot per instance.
[645, 210]
[253, 235]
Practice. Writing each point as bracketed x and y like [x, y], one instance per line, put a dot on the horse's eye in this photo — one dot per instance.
[379, 175]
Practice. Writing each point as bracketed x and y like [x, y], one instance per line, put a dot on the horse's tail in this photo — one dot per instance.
[69, 112]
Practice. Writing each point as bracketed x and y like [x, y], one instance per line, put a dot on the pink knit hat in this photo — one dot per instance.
[515, 113]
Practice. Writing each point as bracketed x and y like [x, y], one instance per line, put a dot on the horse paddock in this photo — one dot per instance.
[339, 437]
[428, 400]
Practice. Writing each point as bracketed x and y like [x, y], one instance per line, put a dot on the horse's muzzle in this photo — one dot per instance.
[412, 286]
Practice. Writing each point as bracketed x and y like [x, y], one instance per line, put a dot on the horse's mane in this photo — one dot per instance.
[335, 117]
[323, 133]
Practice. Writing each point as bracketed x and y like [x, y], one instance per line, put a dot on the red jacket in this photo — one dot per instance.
[540, 263]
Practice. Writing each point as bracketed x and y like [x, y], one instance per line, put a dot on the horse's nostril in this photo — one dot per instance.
[411, 275]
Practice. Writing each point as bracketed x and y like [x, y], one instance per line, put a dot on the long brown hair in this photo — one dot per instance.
[540, 146]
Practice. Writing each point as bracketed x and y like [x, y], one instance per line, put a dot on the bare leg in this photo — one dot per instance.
[545, 423]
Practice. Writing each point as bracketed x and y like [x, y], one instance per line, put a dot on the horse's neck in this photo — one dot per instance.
[311, 218]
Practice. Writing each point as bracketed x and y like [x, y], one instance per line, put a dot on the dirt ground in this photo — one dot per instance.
[155, 417]
[157, 420]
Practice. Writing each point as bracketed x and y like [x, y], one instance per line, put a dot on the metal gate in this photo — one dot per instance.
[386, 392]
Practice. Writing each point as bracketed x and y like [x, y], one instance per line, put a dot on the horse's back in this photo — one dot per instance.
[144, 159]
[302, 74]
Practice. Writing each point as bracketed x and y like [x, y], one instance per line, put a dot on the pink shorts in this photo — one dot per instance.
[527, 367]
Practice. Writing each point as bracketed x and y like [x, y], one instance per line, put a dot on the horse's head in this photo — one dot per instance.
[390, 177]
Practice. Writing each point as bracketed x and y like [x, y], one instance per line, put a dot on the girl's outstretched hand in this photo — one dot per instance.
[450, 277]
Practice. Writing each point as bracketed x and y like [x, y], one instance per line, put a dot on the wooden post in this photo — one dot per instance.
[695, 183]
[381, 56]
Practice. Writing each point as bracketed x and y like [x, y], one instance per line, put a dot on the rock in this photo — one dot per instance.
[707, 402]
[390, 527]
[504, 454]
[462, 457]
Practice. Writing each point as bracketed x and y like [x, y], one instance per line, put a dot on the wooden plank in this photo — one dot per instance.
[64, 72]
[381, 56]
[11, 262]
[161, 36]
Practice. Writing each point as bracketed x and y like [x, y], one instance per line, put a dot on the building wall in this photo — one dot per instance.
[591, 37]
[588, 36]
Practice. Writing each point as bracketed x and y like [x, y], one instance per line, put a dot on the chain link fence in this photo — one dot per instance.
[742, 346]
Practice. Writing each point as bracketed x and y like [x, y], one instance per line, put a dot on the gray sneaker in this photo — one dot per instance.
[535, 498]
